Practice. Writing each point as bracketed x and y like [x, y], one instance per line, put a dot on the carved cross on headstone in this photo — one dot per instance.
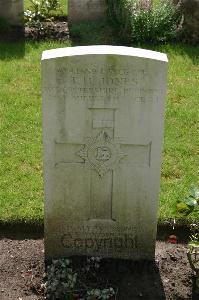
[102, 155]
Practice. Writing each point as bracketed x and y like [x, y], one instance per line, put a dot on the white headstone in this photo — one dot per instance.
[103, 113]
[86, 10]
[12, 10]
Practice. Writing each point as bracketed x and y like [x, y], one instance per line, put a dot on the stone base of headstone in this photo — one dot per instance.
[12, 11]
[86, 10]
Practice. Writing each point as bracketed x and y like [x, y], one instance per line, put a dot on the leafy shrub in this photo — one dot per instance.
[39, 12]
[139, 21]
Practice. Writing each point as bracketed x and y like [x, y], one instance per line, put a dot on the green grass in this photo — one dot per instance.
[21, 183]
[155, 2]
[181, 148]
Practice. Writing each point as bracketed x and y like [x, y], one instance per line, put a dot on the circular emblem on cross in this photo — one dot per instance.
[103, 153]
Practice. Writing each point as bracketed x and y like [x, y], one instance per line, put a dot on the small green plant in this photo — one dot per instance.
[61, 279]
[40, 12]
[63, 283]
[193, 253]
[99, 294]
[187, 205]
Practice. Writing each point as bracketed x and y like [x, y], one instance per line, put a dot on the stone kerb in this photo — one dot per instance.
[103, 113]
[86, 10]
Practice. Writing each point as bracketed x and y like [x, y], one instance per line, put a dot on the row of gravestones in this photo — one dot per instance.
[79, 10]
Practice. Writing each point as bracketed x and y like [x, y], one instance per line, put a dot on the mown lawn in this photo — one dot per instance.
[180, 167]
[21, 183]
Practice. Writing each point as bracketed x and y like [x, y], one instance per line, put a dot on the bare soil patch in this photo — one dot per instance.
[57, 30]
[169, 277]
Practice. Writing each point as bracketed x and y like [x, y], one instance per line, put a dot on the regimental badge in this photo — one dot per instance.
[102, 153]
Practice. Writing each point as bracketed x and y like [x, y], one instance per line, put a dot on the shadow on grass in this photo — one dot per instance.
[192, 51]
[92, 33]
[173, 48]
[12, 44]
[102, 33]
[20, 230]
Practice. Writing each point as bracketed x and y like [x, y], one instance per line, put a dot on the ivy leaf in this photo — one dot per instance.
[190, 201]
[183, 208]
[194, 244]
[195, 192]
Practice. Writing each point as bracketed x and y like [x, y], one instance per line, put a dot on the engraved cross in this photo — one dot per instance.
[102, 154]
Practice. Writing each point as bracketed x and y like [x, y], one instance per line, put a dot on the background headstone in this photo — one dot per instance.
[86, 10]
[103, 112]
[12, 10]
[190, 22]
[190, 9]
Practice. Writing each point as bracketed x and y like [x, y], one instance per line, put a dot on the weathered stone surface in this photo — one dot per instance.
[190, 9]
[190, 24]
[103, 112]
[12, 10]
[86, 10]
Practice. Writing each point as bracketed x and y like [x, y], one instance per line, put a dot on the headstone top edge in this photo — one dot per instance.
[103, 50]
